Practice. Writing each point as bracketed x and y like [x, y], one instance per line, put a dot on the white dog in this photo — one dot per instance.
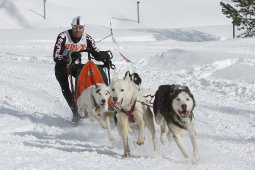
[173, 108]
[94, 103]
[131, 113]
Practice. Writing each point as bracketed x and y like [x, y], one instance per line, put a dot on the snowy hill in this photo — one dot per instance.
[153, 14]
[173, 44]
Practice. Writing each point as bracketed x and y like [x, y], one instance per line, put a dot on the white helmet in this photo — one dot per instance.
[78, 21]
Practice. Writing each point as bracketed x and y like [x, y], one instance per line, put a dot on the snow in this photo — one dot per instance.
[174, 43]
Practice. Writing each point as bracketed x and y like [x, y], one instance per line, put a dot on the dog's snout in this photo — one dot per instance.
[184, 106]
[103, 100]
[115, 99]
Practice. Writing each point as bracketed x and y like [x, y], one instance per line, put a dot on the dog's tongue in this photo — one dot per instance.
[184, 113]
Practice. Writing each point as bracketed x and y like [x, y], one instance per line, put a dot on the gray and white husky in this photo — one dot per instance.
[173, 108]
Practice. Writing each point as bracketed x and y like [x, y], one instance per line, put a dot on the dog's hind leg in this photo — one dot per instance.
[193, 139]
[123, 131]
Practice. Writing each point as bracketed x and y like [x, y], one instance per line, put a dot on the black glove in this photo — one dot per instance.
[106, 58]
[75, 55]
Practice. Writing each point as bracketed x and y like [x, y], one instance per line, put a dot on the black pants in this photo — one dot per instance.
[62, 77]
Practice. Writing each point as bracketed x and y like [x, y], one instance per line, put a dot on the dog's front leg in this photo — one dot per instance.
[164, 132]
[81, 108]
[158, 118]
[139, 119]
[97, 115]
[148, 117]
[123, 131]
[193, 139]
[108, 128]
[177, 134]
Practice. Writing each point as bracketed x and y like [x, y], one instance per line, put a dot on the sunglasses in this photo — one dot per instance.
[78, 27]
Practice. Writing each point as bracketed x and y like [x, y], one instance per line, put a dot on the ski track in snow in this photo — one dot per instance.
[36, 118]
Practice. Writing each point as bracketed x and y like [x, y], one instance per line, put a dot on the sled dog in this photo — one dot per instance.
[130, 113]
[173, 108]
[136, 79]
[93, 102]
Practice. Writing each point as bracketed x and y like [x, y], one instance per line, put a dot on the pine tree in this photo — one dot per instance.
[242, 13]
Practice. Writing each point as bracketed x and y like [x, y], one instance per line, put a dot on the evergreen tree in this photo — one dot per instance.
[242, 13]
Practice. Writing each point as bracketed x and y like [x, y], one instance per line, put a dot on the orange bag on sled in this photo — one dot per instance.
[88, 76]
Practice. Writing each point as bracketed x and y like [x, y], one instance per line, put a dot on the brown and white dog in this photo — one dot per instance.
[173, 108]
[130, 113]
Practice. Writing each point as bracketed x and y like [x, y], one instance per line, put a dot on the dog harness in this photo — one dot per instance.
[129, 113]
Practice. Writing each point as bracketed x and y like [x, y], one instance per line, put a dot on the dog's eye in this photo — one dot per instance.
[178, 99]
[187, 99]
[113, 89]
[122, 90]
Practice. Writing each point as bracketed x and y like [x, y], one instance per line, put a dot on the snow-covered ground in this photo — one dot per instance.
[35, 127]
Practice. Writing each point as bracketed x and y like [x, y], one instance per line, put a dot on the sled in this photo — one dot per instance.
[89, 75]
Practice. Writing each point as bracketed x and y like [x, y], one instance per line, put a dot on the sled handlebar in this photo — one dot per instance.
[89, 56]
[89, 51]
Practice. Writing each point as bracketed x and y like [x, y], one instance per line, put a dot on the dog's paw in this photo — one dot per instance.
[140, 141]
[126, 155]
[82, 114]
[195, 158]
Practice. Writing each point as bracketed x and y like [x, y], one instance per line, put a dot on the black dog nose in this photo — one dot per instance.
[184, 106]
[103, 100]
[115, 99]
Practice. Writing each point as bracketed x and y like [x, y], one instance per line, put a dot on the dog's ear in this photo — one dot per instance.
[127, 76]
[172, 89]
[136, 79]
[186, 89]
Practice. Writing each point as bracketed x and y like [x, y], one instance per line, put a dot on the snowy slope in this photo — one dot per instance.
[153, 14]
[35, 127]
